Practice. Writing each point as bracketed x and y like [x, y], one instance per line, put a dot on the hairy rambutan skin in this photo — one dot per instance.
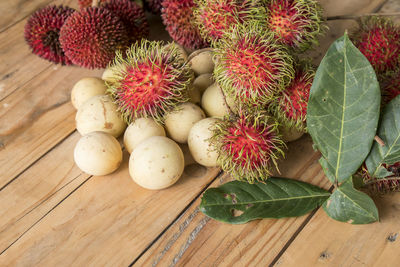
[132, 16]
[251, 67]
[295, 23]
[154, 6]
[90, 37]
[215, 17]
[150, 80]
[42, 33]
[177, 16]
[379, 40]
[290, 106]
[381, 186]
[248, 145]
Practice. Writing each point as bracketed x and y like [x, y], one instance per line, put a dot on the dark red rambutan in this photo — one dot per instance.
[382, 185]
[215, 17]
[250, 66]
[42, 33]
[177, 16]
[379, 40]
[295, 23]
[390, 87]
[290, 107]
[150, 80]
[87, 3]
[248, 145]
[132, 16]
[91, 37]
[154, 6]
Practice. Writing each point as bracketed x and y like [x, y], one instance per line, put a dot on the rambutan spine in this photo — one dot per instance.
[295, 23]
[215, 17]
[42, 33]
[150, 80]
[248, 145]
[250, 66]
[378, 38]
[290, 106]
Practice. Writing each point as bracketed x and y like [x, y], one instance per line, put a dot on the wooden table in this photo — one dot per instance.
[52, 214]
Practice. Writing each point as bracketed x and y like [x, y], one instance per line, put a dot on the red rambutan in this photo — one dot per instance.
[290, 107]
[150, 80]
[215, 17]
[379, 40]
[250, 66]
[154, 6]
[42, 33]
[132, 16]
[382, 185]
[295, 23]
[91, 37]
[177, 15]
[248, 145]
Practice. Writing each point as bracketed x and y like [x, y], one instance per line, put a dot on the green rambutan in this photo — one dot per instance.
[153, 80]
[90, 37]
[248, 145]
[132, 16]
[250, 66]
[290, 107]
[177, 16]
[379, 40]
[295, 23]
[215, 17]
[42, 33]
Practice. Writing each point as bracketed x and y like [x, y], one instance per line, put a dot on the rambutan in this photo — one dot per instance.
[295, 23]
[382, 185]
[90, 37]
[154, 6]
[132, 16]
[379, 40]
[153, 80]
[390, 87]
[177, 16]
[290, 107]
[215, 17]
[87, 3]
[248, 145]
[42, 33]
[250, 66]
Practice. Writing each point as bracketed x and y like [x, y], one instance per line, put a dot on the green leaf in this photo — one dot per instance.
[343, 109]
[389, 132]
[239, 202]
[347, 204]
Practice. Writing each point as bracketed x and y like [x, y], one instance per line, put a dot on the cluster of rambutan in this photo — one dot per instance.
[255, 46]
[88, 37]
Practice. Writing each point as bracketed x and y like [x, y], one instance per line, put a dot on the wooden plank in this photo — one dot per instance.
[38, 190]
[108, 220]
[36, 118]
[17, 63]
[340, 244]
[195, 240]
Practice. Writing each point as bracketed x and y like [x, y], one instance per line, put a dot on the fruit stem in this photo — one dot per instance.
[95, 3]
[357, 17]
[379, 140]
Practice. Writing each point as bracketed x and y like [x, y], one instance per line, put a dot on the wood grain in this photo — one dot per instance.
[36, 118]
[332, 243]
[196, 240]
[107, 220]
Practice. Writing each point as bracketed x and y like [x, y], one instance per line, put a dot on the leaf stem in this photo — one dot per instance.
[379, 140]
